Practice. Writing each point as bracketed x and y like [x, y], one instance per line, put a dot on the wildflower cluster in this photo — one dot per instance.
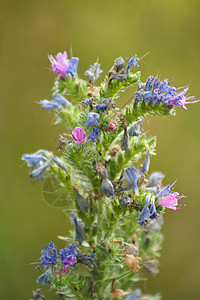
[102, 177]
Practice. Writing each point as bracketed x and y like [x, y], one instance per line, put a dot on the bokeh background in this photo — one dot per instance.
[170, 31]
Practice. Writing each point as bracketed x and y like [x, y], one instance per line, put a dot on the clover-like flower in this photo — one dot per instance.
[49, 256]
[92, 119]
[145, 213]
[78, 135]
[171, 201]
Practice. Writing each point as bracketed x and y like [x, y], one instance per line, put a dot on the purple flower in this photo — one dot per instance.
[63, 66]
[181, 100]
[133, 62]
[131, 174]
[145, 213]
[78, 135]
[155, 91]
[68, 255]
[69, 261]
[92, 119]
[171, 201]
[94, 72]
[34, 160]
[49, 256]
[70, 250]
[39, 173]
[107, 188]
[94, 135]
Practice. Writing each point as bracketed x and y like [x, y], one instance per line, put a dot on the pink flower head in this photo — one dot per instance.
[181, 100]
[112, 126]
[63, 66]
[171, 201]
[60, 64]
[78, 135]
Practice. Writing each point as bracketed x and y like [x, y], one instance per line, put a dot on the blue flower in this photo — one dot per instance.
[133, 62]
[49, 256]
[44, 278]
[94, 72]
[56, 103]
[34, 160]
[49, 104]
[166, 190]
[39, 173]
[72, 67]
[68, 255]
[152, 209]
[70, 250]
[60, 100]
[59, 163]
[94, 135]
[107, 188]
[146, 164]
[155, 91]
[92, 119]
[145, 213]
[101, 107]
[131, 174]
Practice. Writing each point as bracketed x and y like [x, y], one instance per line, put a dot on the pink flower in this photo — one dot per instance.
[63, 66]
[78, 135]
[171, 201]
[112, 126]
[181, 100]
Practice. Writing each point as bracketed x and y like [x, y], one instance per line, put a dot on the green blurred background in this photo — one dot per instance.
[30, 30]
